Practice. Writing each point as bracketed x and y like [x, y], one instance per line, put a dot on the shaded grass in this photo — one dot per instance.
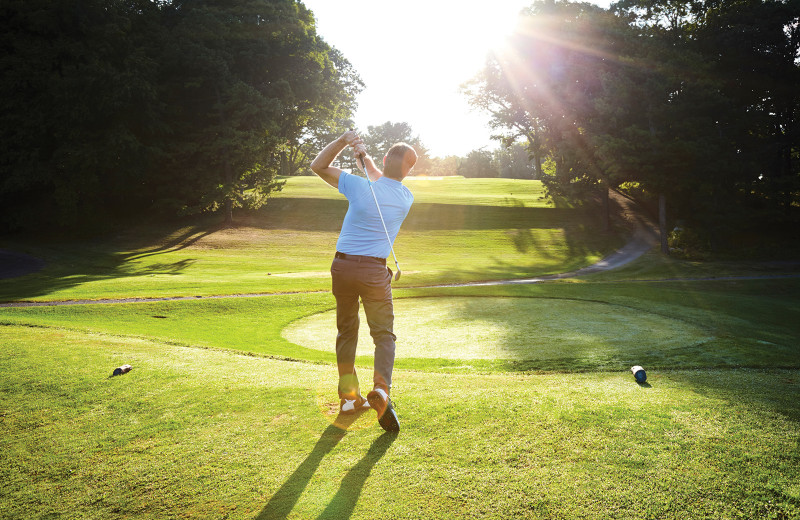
[210, 434]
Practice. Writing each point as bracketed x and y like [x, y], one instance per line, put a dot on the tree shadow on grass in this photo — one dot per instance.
[341, 506]
[80, 262]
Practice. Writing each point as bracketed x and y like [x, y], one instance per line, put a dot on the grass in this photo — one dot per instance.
[507, 232]
[515, 401]
[554, 326]
[203, 433]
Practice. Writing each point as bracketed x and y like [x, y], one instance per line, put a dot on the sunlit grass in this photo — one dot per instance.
[440, 190]
[553, 326]
[541, 329]
[210, 434]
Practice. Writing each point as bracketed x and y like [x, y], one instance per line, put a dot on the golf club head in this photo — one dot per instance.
[397, 275]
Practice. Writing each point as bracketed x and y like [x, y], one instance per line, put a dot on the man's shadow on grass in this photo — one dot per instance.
[345, 500]
[343, 503]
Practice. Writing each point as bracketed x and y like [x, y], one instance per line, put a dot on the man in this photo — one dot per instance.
[359, 267]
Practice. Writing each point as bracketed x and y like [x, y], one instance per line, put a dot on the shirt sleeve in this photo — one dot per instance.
[351, 185]
[343, 182]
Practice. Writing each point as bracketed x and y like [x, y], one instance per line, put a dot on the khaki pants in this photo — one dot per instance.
[370, 280]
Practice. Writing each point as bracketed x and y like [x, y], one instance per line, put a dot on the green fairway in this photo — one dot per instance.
[515, 401]
[458, 230]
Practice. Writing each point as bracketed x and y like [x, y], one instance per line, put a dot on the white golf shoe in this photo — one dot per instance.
[351, 406]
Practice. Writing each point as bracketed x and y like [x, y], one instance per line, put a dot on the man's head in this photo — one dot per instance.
[399, 160]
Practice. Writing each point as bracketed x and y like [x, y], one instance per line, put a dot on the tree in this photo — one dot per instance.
[492, 92]
[80, 106]
[543, 87]
[114, 108]
[329, 119]
[515, 162]
[245, 81]
[695, 101]
[443, 166]
[478, 163]
[381, 137]
[754, 48]
[722, 79]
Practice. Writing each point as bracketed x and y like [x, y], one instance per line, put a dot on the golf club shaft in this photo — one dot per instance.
[391, 246]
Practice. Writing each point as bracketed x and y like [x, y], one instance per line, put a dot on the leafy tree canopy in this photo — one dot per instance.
[113, 108]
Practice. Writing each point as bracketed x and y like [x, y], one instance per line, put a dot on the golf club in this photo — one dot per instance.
[364, 166]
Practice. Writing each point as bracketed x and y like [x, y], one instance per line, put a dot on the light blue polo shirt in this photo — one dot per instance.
[362, 232]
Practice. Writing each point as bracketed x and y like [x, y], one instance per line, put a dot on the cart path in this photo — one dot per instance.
[645, 237]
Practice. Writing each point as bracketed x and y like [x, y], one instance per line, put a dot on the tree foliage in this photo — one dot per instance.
[696, 101]
[111, 108]
[380, 138]
[478, 163]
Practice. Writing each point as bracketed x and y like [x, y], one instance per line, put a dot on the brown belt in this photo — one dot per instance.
[360, 258]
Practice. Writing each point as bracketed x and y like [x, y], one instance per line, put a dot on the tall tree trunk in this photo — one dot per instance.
[662, 222]
[606, 205]
[226, 165]
[284, 166]
[228, 200]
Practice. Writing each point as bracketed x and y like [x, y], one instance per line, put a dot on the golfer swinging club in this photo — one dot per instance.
[359, 268]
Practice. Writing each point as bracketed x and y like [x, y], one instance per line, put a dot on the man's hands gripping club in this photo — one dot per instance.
[364, 161]
[321, 165]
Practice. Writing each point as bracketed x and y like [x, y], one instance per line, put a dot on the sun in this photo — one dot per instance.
[441, 44]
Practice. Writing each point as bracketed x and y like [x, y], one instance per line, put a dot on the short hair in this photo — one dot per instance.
[400, 158]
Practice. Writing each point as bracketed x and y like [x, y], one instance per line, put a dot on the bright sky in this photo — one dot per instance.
[443, 43]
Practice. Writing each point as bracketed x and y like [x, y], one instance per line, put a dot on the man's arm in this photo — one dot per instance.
[321, 165]
[374, 173]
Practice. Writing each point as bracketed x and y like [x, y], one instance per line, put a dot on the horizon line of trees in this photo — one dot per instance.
[113, 109]
[512, 161]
